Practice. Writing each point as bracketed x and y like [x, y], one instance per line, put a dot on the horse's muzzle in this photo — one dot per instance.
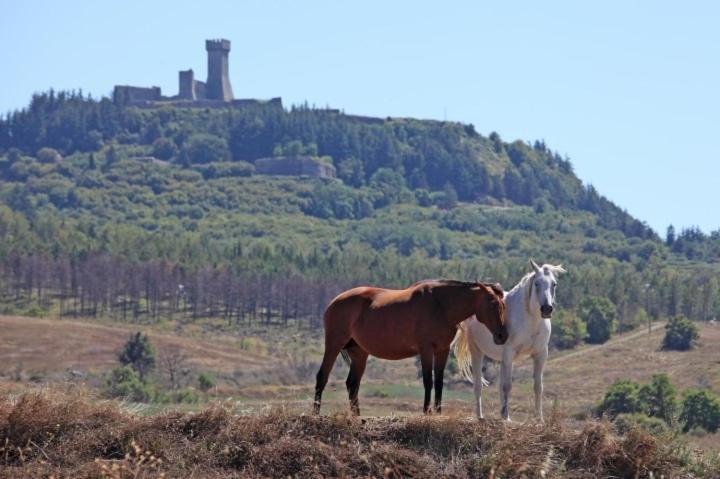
[546, 311]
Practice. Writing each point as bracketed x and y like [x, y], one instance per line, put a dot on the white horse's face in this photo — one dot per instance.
[544, 284]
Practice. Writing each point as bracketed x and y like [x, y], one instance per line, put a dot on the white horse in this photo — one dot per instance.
[528, 309]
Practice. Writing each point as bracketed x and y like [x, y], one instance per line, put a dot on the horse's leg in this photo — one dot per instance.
[358, 360]
[439, 366]
[506, 368]
[538, 367]
[426, 360]
[333, 346]
[478, 379]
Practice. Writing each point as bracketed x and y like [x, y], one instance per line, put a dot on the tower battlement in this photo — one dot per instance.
[219, 44]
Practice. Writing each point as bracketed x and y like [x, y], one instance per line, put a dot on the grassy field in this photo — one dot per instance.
[267, 379]
[277, 368]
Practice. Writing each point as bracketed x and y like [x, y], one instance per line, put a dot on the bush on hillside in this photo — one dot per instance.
[204, 148]
[139, 354]
[681, 334]
[700, 408]
[600, 318]
[622, 397]
[660, 398]
[568, 331]
[125, 383]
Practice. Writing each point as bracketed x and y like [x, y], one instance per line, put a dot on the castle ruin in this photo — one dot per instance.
[215, 92]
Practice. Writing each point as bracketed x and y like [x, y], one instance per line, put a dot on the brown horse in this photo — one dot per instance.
[397, 324]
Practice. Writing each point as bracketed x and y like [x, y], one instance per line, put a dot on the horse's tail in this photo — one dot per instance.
[461, 348]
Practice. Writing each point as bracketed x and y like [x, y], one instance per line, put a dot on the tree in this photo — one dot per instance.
[164, 148]
[622, 397]
[139, 354]
[174, 365]
[670, 235]
[700, 408]
[681, 334]
[568, 331]
[204, 148]
[448, 199]
[660, 398]
[600, 317]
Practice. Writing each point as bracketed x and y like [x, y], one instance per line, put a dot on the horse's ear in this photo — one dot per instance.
[534, 265]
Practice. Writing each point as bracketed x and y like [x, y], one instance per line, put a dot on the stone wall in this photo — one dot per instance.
[123, 94]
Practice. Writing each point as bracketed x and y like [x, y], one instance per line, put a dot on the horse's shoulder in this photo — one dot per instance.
[385, 297]
[360, 291]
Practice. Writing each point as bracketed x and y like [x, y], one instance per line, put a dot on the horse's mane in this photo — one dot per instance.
[525, 284]
[464, 284]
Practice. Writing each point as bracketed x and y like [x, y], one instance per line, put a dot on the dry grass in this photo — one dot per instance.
[51, 345]
[68, 434]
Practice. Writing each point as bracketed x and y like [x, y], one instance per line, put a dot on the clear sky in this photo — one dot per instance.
[629, 90]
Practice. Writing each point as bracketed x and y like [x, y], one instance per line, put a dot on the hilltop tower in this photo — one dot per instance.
[218, 83]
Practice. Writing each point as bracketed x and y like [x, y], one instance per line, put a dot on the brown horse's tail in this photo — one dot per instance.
[461, 348]
[345, 356]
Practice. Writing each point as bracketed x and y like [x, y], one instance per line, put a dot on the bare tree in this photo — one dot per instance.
[173, 363]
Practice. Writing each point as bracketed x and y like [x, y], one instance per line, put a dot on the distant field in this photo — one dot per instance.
[574, 383]
[51, 346]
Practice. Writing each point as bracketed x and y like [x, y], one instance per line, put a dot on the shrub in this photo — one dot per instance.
[186, 396]
[600, 317]
[680, 334]
[138, 353]
[125, 383]
[568, 331]
[206, 382]
[622, 397]
[422, 196]
[700, 408]
[164, 148]
[654, 425]
[48, 155]
[204, 148]
[226, 169]
[659, 397]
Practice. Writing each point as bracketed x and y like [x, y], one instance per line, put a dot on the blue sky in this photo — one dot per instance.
[629, 90]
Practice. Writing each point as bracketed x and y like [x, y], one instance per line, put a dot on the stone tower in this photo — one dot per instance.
[218, 83]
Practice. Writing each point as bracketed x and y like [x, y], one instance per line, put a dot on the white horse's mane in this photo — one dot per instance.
[525, 284]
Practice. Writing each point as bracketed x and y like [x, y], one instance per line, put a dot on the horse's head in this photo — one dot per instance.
[541, 290]
[491, 311]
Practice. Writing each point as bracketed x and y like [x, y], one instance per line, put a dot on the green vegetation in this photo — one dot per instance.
[700, 408]
[145, 215]
[680, 334]
[206, 382]
[623, 397]
[125, 383]
[139, 354]
[654, 406]
[600, 318]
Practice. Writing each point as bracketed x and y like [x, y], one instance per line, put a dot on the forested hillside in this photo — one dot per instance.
[150, 213]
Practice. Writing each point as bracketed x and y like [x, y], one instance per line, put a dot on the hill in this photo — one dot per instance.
[146, 214]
